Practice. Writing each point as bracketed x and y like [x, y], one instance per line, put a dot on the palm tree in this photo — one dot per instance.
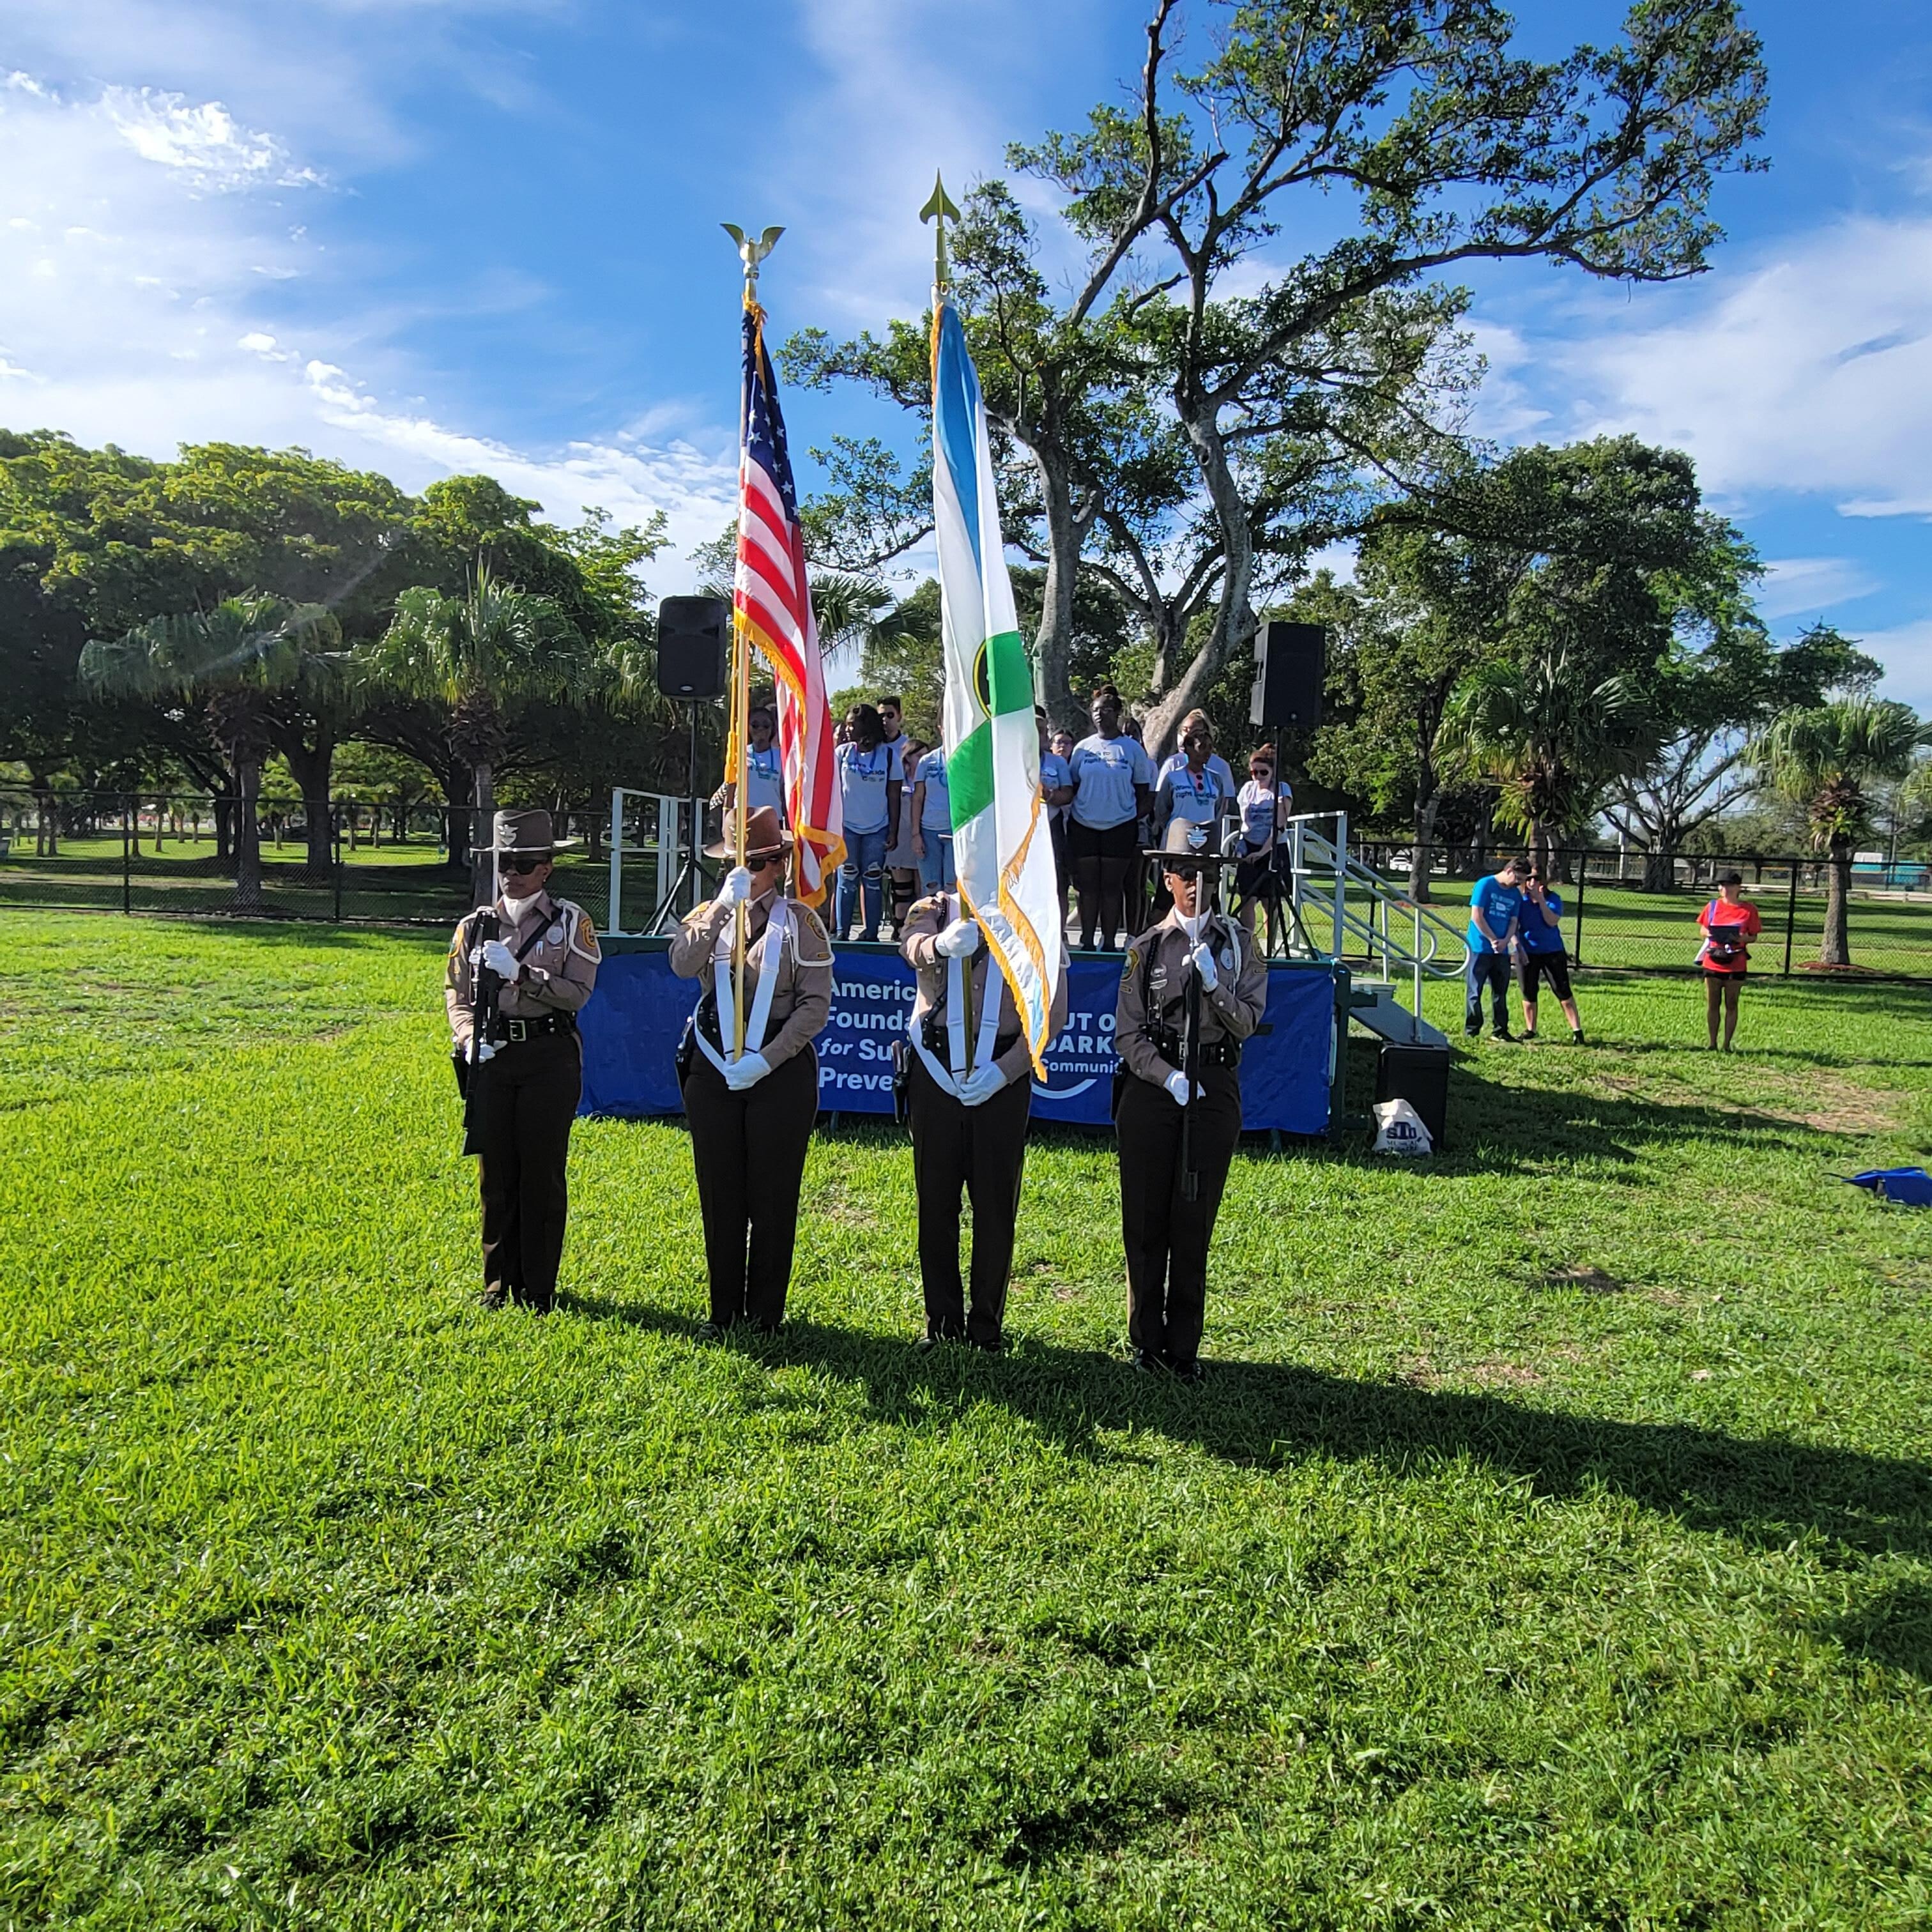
[1550, 742]
[233, 659]
[476, 653]
[1822, 756]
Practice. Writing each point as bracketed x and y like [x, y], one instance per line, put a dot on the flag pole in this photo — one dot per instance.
[939, 206]
[752, 251]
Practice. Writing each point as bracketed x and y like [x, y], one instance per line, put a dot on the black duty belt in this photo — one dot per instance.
[1209, 1053]
[932, 1027]
[504, 1031]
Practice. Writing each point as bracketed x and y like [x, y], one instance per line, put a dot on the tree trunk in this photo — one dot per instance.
[1421, 846]
[1834, 947]
[1234, 625]
[247, 836]
[1053, 645]
[1659, 874]
[310, 769]
[483, 811]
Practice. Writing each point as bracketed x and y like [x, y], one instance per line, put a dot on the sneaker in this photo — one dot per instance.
[1530, 1034]
[1504, 1033]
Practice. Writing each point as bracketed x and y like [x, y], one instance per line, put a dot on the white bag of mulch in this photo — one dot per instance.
[1398, 1129]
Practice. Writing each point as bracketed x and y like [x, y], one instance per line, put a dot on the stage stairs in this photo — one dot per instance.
[1341, 909]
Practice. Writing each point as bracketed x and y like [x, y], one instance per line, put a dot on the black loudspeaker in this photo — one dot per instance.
[1291, 667]
[694, 635]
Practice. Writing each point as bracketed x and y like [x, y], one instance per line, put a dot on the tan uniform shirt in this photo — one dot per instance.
[924, 924]
[559, 973]
[1231, 1011]
[802, 995]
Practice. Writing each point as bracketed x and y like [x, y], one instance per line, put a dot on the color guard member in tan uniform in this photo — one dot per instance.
[750, 1118]
[530, 1071]
[970, 1094]
[1196, 971]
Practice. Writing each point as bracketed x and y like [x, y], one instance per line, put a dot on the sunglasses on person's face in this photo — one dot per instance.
[1260, 771]
[761, 861]
[521, 865]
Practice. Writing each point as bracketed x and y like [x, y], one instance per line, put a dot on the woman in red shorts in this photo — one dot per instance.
[1729, 925]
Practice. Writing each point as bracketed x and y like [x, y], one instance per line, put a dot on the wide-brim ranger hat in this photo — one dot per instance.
[1185, 843]
[763, 833]
[522, 831]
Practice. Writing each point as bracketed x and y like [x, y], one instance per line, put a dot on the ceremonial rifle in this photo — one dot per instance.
[1190, 1066]
[484, 987]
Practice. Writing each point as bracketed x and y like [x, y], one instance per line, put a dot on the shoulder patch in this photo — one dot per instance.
[1133, 960]
[585, 939]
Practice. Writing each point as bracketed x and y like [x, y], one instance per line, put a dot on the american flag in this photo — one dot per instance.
[773, 603]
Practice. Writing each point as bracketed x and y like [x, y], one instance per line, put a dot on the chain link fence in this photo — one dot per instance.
[1635, 909]
[396, 865]
[378, 865]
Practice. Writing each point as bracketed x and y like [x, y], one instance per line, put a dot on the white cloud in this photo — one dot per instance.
[1811, 372]
[143, 282]
[1906, 651]
[1811, 585]
[202, 140]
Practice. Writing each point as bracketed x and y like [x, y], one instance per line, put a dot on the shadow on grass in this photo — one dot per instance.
[1261, 1415]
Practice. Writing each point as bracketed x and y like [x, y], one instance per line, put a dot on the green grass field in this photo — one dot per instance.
[1549, 1545]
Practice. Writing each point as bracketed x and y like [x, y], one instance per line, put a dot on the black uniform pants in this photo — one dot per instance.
[983, 1150]
[1166, 1236]
[525, 1104]
[749, 1151]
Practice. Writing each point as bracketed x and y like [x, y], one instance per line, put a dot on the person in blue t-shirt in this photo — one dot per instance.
[1540, 954]
[932, 810]
[1056, 793]
[868, 794]
[1494, 907]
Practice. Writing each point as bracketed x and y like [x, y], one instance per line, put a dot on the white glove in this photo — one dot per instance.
[959, 939]
[981, 1084]
[500, 960]
[745, 1072]
[480, 1050]
[736, 889]
[1176, 1084]
[1204, 964]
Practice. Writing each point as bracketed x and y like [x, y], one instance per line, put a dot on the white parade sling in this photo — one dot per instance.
[777, 930]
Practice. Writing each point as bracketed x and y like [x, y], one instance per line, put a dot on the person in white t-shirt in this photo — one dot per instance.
[764, 774]
[1113, 787]
[1196, 722]
[1265, 803]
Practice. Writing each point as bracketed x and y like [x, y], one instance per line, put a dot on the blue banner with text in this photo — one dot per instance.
[632, 1025]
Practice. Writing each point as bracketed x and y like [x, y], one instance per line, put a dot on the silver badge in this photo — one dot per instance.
[555, 936]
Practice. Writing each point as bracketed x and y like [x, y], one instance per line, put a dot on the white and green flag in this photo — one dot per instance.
[1001, 846]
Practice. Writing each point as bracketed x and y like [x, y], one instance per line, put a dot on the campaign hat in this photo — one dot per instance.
[763, 833]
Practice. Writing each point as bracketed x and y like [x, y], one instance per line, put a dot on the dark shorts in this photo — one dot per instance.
[1726, 975]
[1554, 967]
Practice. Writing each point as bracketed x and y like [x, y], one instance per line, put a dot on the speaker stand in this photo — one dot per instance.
[691, 870]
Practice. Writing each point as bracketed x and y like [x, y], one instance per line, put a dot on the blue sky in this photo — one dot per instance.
[434, 235]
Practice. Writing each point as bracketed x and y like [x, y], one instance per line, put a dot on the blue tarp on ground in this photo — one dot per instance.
[632, 1027]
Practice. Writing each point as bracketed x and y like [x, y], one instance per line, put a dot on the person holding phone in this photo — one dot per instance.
[1729, 925]
[1540, 954]
[1495, 903]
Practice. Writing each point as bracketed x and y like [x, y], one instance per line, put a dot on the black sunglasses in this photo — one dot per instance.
[520, 864]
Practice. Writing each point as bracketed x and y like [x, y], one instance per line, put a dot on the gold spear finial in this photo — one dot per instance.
[937, 210]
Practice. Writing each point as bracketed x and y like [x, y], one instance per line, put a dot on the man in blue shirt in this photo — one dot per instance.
[1494, 907]
[1540, 954]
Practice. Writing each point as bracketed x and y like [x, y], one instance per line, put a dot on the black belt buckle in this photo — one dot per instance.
[519, 1030]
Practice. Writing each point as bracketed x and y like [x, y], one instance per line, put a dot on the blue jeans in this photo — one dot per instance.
[863, 872]
[1491, 970]
[935, 869]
